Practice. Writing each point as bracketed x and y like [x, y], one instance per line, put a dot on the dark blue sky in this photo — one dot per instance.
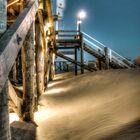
[116, 23]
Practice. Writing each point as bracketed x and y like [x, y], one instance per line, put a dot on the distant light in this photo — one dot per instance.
[79, 22]
[13, 117]
[82, 14]
[48, 25]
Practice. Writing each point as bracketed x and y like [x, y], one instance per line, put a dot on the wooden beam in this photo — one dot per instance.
[12, 40]
[12, 3]
[28, 69]
[47, 5]
[82, 53]
[45, 44]
[106, 58]
[39, 61]
[86, 67]
[4, 114]
[4, 108]
[16, 101]
[76, 67]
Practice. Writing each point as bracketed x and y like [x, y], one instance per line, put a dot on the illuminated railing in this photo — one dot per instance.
[113, 56]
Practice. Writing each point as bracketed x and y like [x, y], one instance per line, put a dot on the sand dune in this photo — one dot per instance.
[96, 106]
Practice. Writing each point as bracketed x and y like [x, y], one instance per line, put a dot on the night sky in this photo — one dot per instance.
[115, 23]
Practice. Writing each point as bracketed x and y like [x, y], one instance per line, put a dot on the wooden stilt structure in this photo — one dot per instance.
[39, 61]
[4, 107]
[28, 69]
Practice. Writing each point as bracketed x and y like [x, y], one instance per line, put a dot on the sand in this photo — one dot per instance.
[103, 105]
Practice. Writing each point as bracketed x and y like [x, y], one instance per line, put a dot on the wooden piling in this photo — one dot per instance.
[4, 107]
[82, 54]
[4, 115]
[99, 61]
[76, 61]
[39, 61]
[106, 58]
[28, 69]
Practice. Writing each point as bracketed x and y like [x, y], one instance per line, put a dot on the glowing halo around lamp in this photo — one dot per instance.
[82, 14]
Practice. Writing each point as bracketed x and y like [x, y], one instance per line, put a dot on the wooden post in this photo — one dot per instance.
[76, 60]
[39, 61]
[99, 61]
[82, 54]
[4, 114]
[4, 108]
[51, 64]
[106, 58]
[28, 69]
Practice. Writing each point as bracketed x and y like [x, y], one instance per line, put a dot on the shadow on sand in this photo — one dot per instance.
[128, 132]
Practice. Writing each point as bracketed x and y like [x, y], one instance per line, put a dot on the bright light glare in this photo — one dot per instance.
[48, 25]
[79, 22]
[82, 14]
[13, 117]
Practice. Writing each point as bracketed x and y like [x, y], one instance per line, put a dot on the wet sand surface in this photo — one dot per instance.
[102, 105]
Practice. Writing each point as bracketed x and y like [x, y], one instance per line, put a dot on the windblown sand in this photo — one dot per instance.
[101, 105]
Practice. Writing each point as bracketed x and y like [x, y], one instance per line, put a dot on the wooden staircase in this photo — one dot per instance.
[72, 39]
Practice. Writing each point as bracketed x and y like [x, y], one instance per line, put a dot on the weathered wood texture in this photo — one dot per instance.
[39, 61]
[12, 40]
[51, 65]
[15, 101]
[3, 16]
[76, 67]
[42, 23]
[4, 108]
[106, 58]
[28, 62]
[4, 115]
[47, 5]
[82, 54]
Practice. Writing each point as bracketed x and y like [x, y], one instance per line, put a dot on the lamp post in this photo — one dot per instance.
[81, 15]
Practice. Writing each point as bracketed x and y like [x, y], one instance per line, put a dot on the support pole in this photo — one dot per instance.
[76, 60]
[4, 107]
[106, 58]
[51, 64]
[99, 61]
[28, 69]
[4, 115]
[82, 55]
[39, 61]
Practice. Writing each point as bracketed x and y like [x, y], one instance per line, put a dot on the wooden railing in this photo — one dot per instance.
[11, 42]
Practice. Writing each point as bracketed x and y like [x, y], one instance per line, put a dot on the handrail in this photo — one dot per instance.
[97, 45]
[93, 44]
[93, 39]
[12, 40]
[111, 53]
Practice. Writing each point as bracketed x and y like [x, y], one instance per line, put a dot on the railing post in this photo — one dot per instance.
[106, 58]
[82, 53]
[28, 62]
[76, 60]
[99, 61]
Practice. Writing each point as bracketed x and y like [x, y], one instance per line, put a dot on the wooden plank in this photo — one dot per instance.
[12, 40]
[75, 62]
